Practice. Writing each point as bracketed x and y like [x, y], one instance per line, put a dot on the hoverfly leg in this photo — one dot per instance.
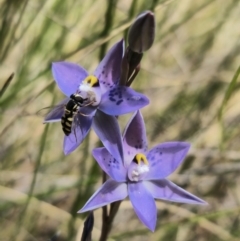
[83, 114]
[89, 103]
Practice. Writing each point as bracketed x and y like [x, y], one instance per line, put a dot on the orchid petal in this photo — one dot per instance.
[109, 70]
[80, 128]
[68, 76]
[111, 166]
[134, 138]
[57, 112]
[167, 190]
[110, 191]
[143, 204]
[165, 158]
[121, 100]
[108, 131]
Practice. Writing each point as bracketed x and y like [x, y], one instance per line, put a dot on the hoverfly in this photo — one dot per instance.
[70, 111]
[66, 111]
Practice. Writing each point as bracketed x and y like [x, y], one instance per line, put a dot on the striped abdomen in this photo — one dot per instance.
[67, 118]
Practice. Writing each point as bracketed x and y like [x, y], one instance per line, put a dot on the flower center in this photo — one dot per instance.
[140, 158]
[138, 168]
[90, 90]
[91, 80]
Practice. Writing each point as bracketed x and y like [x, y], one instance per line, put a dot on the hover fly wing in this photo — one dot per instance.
[80, 127]
[56, 112]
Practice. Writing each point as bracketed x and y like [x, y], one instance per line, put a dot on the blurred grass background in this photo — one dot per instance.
[188, 75]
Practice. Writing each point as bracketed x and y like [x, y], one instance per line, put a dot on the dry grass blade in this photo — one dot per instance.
[6, 84]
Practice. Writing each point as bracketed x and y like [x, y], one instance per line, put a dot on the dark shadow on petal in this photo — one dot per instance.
[108, 131]
[109, 70]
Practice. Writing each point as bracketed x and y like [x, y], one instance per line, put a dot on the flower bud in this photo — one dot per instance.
[88, 227]
[142, 32]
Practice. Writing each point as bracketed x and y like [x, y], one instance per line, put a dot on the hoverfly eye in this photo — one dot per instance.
[79, 98]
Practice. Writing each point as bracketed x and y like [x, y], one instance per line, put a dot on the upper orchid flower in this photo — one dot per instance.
[102, 99]
[141, 175]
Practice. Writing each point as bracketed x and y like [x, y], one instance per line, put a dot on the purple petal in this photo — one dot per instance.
[108, 131]
[134, 138]
[68, 76]
[80, 128]
[167, 190]
[143, 204]
[111, 166]
[57, 112]
[109, 70]
[165, 158]
[121, 100]
[110, 191]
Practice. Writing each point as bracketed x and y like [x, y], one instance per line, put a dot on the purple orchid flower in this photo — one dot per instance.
[102, 99]
[141, 175]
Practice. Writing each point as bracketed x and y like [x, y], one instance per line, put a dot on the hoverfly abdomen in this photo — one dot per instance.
[67, 117]
[66, 125]
[71, 109]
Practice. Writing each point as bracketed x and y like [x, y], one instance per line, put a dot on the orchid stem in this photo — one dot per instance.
[133, 76]
[107, 219]
[104, 232]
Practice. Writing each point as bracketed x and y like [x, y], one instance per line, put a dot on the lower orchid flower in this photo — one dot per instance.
[141, 175]
[94, 100]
